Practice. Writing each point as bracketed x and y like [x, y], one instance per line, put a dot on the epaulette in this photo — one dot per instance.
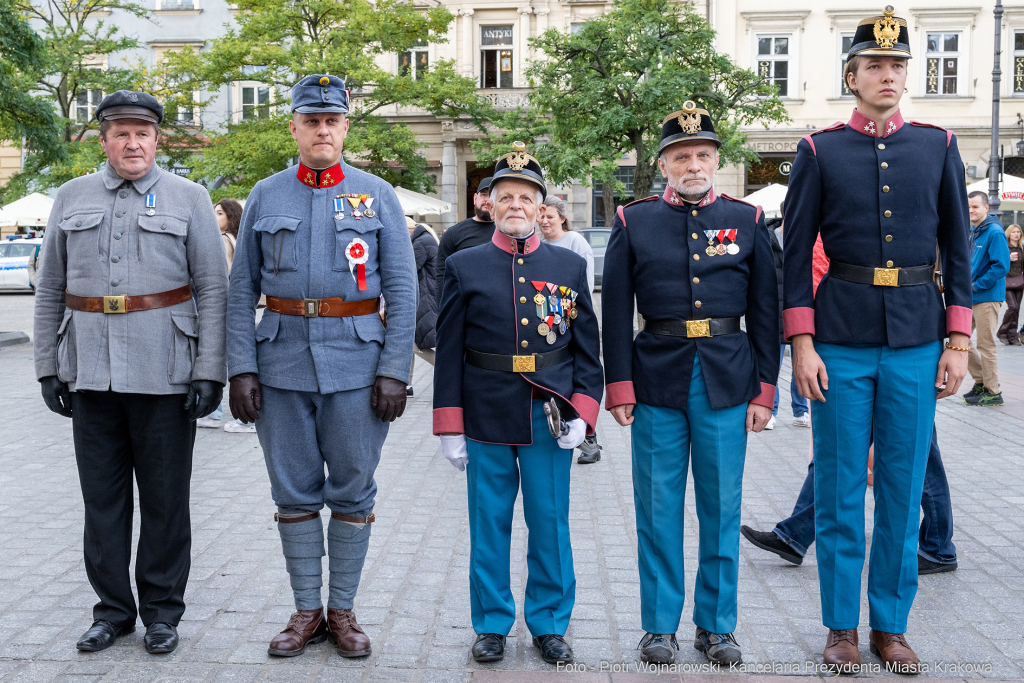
[949, 133]
[636, 201]
[757, 216]
[838, 125]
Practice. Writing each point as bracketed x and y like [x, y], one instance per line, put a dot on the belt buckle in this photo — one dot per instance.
[698, 328]
[114, 304]
[311, 308]
[887, 277]
[524, 364]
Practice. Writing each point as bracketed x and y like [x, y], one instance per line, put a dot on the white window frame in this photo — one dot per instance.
[513, 46]
[773, 58]
[935, 83]
[960, 20]
[1013, 23]
[160, 49]
[789, 23]
[172, 6]
[238, 89]
[93, 96]
[426, 48]
[840, 90]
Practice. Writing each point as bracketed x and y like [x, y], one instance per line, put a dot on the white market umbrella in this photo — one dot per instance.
[414, 203]
[769, 198]
[1011, 192]
[31, 211]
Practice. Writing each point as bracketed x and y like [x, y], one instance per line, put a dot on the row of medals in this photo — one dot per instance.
[355, 200]
[720, 249]
[554, 303]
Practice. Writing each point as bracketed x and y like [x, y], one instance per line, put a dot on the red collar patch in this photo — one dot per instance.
[863, 124]
[508, 244]
[676, 199]
[328, 177]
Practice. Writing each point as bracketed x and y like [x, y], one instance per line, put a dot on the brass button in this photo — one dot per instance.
[885, 164]
[522, 299]
[694, 212]
[888, 264]
[524, 343]
[696, 280]
[693, 236]
[697, 304]
[696, 257]
[885, 188]
[525, 321]
[520, 261]
[881, 145]
[887, 214]
[522, 280]
[888, 238]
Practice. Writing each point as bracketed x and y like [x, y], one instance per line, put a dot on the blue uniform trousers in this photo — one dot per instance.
[663, 440]
[891, 390]
[494, 475]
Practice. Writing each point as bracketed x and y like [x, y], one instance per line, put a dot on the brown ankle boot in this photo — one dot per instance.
[349, 636]
[305, 627]
[841, 651]
[895, 653]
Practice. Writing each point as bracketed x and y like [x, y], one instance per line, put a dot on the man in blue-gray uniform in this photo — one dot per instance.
[869, 345]
[320, 375]
[692, 383]
[517, 386]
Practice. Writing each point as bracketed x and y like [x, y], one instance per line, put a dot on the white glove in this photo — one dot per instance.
[454, 448]
[575, 433]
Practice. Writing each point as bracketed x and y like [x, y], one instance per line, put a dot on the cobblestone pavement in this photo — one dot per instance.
[414, 600]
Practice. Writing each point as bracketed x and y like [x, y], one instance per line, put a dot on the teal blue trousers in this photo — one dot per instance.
[665, 442]
[892, 393]
[494, 475]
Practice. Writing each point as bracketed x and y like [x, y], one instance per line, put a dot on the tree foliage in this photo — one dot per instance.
[602, 93]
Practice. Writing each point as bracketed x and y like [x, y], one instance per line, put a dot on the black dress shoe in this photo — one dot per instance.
[488, 647]
[102, 635]
[590, 451]
[925, 566]
[161, 638]
[553, 648]
[767, 540]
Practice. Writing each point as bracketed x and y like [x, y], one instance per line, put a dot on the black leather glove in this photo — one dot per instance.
[387, 398]
[203, 398]
[56, 395]
[245, 397]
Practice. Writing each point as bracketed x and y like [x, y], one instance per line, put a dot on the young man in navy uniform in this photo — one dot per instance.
[516, 331]
[882, 193]
[691, 383]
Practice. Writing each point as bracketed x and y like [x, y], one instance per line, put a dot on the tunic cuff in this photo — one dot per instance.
[588, 409]
[767, 396]
[448, 421]
[798, 320]
[958, 319]
[618, 393]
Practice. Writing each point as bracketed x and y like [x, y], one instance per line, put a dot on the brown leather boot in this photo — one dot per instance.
[841, 651]
[305, 627]
[349, 636]
[895, 653]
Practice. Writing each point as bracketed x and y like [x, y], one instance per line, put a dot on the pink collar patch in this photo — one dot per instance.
[676, 199]
[863, 124]
[508, 244]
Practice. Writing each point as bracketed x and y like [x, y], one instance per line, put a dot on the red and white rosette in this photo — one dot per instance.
[357, 254]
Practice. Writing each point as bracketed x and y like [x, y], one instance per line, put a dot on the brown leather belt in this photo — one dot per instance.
[334, 515]
[318, 308]
[124, 304]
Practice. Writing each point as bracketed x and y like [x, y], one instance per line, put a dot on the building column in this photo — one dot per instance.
[542, 18]
[449, 181]
[523, 46]
[467, 42]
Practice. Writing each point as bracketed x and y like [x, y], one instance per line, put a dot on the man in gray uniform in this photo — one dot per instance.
[118, 342]
[321, 376]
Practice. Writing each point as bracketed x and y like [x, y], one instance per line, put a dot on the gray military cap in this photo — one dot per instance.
[125, 104]
[319, 94]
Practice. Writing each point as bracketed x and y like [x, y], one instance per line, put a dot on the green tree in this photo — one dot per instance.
[278, 41]
[603, 92]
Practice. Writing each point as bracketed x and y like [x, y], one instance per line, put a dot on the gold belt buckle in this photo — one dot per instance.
[887, 277]
[698, 328]
[311, 308]
[524, 364]
[114, 304]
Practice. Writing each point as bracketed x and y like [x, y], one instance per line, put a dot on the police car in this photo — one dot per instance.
[15, 253]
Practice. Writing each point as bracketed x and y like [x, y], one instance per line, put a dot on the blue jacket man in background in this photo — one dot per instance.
[321, 376]
[990, 262]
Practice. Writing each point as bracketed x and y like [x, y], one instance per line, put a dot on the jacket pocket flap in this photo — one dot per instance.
[167, 225]
[369, 328]
[82, 221]
[268, 326]
[64, 322]
[187, 323]
[273, 224]
[360, 225]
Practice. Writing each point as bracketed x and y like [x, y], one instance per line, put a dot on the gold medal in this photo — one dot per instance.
[572, 314]
[539, 299]
[543, 329]
[710, 251]
[369, 213]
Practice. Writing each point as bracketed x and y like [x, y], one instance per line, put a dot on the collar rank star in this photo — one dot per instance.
[357, 254]
[150, 204]
[329, 177]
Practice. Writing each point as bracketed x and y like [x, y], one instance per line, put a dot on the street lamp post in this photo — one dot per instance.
[997, 74]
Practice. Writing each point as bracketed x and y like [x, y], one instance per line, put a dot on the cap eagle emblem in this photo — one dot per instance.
[689, 119]
[887, 29]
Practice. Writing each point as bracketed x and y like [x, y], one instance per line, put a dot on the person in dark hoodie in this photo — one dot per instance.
[424, 249]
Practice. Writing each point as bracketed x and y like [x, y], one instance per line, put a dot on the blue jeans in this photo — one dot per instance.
[798, 402]
[935, 541]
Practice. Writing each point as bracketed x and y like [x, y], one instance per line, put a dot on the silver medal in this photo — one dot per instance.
[550, 339]
[733, 248]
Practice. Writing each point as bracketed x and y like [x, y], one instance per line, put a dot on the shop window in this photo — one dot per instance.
[496, 56]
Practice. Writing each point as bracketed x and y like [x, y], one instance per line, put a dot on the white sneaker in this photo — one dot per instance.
[802, 421]
[208, 422]
[771, 423]
[235, 427]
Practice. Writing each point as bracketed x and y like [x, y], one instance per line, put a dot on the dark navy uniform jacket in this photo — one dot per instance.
[487, 294]
[657, 254]
[880, 198]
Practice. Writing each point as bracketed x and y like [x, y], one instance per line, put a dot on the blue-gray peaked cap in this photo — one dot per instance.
[126, 104]
[318, 94]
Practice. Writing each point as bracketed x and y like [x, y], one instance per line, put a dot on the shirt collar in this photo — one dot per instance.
[112, 181]
[329, 177]
[863, 124]
[676, 199]
[509, 246]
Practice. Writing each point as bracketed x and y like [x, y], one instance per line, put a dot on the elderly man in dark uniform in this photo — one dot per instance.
[882, 192]
[515, 352]
[119, 341]
[320, 375]
[692, 383]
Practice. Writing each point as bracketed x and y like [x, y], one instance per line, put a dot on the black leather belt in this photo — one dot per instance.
[503, 363]
[709, 327]
[881, 277]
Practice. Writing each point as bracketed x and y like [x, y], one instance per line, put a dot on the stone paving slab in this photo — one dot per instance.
[414, 597]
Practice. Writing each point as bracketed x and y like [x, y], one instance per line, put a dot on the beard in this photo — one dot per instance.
[481, 214]
[692, 191]
[506, 229]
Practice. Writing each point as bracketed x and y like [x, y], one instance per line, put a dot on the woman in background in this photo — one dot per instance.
[1014, 288]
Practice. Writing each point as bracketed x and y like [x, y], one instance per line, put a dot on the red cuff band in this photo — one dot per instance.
[798, 321]
[767, 396]
[958, 319]
[588, 409]
[448, 421]
[617, 394]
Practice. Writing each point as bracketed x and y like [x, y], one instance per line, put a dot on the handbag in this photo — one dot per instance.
[1015, 282]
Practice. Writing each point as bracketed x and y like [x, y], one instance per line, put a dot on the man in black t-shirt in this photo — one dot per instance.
[471, 232]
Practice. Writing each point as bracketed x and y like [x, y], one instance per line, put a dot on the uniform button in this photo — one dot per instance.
[524, 343]
[888, 214]
[693, 236]
[696, 257]
[696, 280]
[78, 224]
[885, 164]
[888, 264]
[522, 280]
[881, 145]
[525, 321]
[122, 194]
[115, 283]
[117, 235]
[885, 188]
[119, 213]
[694, 212]
[115, 259]
[522, 299]
[697, 304]
[520, 261]
[888, 238]
[163, 227]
